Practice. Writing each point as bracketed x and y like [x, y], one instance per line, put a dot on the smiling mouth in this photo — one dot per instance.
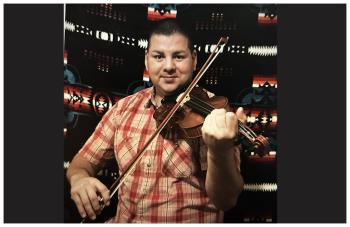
[170, 77]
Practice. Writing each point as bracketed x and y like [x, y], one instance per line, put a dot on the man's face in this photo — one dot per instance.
[169, 62]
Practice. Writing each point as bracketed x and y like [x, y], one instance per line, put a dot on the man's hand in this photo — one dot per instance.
[85, 192]
[220, 128]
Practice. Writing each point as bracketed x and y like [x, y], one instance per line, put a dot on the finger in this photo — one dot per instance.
[208, 124]
[87, 205]
[79, 204]
[241, 115]
[104, 192]
[219, 117]
[94, 199]
[231, 122]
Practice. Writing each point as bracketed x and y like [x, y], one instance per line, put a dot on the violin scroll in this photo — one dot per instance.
[260, 145]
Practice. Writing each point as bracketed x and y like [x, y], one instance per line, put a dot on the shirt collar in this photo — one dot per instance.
[151, 98]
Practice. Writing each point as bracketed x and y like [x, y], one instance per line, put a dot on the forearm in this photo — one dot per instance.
[224, 182]
[80, 168]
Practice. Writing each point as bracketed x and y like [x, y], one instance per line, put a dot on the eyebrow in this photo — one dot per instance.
[161, 52]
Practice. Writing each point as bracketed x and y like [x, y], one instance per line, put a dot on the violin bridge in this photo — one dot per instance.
[186, 99]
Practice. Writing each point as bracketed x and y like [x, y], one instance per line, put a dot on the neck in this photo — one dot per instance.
[158, 96]
[158, 100]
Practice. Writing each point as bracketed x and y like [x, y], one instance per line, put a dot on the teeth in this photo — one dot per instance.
[263, 50]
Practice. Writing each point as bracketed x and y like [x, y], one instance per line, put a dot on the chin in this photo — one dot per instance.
[168, 90]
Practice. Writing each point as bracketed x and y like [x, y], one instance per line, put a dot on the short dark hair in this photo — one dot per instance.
[168, 27]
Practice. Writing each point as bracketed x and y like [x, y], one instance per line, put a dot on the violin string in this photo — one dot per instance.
[198, 107]
[210, 108]
[202, 110]
[206, 108]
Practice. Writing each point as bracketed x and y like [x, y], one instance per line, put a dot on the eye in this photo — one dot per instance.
[158, 57]
[179, 57]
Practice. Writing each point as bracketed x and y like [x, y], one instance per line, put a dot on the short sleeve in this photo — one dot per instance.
[100, 145]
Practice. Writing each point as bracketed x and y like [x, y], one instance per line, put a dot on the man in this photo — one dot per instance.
[177, 180]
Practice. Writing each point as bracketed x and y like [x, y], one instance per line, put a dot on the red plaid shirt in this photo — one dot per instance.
[168, 184]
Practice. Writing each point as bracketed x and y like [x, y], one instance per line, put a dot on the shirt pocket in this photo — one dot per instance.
[126, 151]
[177, 159]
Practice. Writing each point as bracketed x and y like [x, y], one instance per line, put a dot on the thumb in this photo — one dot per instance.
[241, 115]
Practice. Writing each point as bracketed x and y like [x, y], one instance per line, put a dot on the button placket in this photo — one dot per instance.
[148, 162]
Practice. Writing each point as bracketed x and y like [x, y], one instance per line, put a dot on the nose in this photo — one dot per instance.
[169, 66]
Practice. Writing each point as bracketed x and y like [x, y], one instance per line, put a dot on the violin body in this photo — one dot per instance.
[189, 120]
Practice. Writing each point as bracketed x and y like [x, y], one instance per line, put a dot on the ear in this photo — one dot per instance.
[194, 57]
[146, 61]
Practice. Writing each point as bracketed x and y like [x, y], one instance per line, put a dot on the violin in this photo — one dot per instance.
[189, 119]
